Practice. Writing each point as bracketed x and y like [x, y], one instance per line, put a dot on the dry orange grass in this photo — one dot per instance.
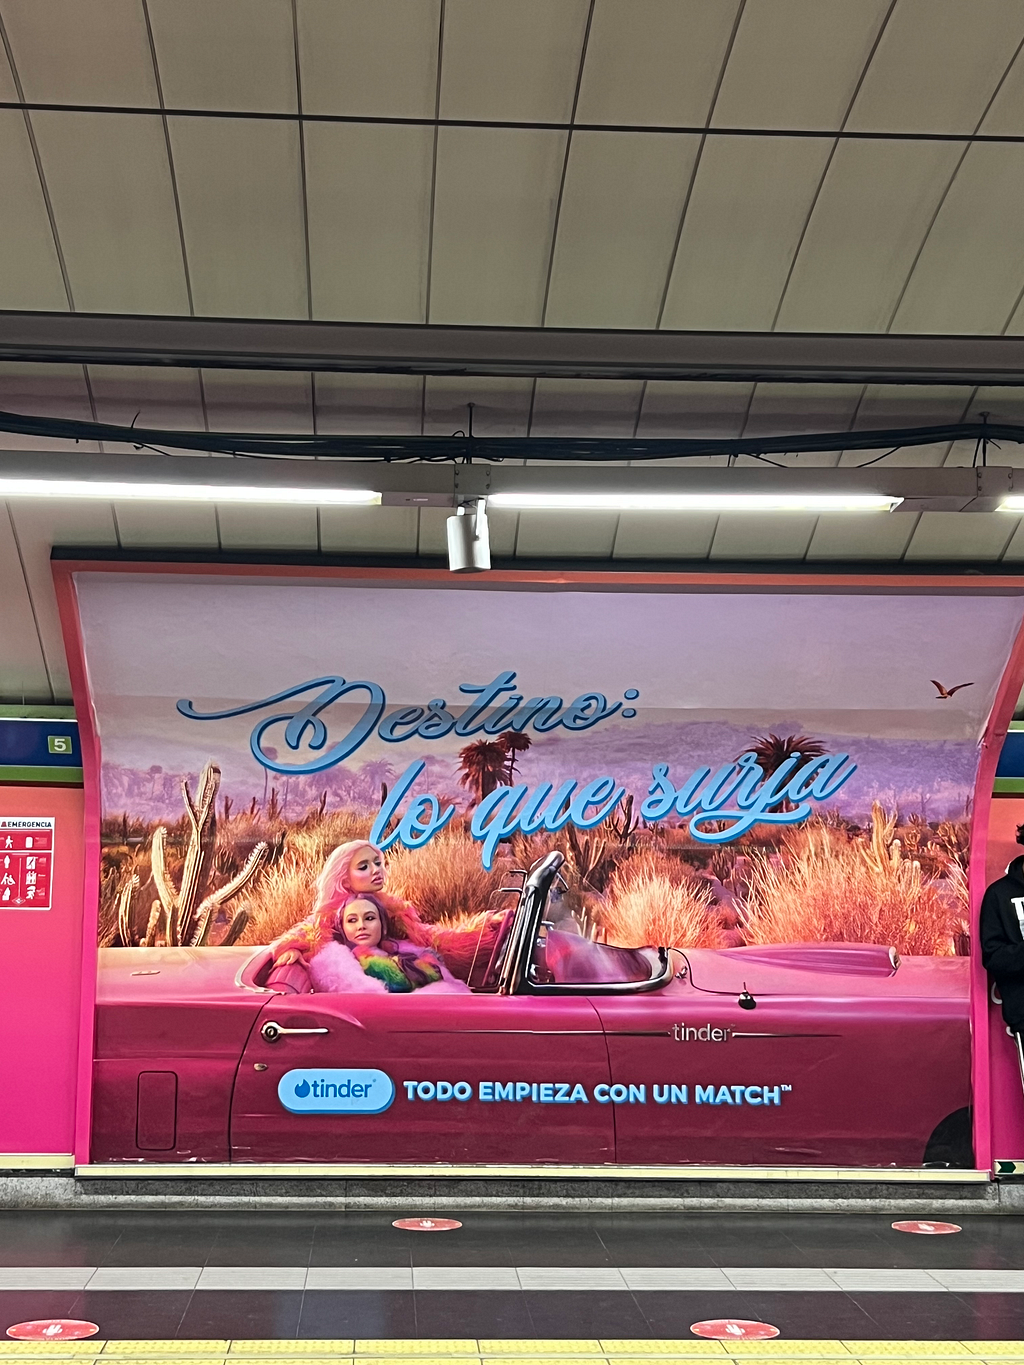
[445, 879]
[284, 895]
[823, 888]
[651, 899]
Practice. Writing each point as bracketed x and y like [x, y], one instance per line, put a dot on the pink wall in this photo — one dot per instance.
[40, 1015]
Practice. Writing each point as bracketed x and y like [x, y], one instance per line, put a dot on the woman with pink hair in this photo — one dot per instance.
[360, 938]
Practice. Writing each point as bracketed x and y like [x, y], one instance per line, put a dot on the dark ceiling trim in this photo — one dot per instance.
[531, 125]
[557, 353]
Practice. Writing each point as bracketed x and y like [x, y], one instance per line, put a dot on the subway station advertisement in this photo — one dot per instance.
[515, 873]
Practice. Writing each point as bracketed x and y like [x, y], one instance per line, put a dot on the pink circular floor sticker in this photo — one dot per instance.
[52, 1329]
[426, 1224]
[734, 1329]
[928, 1229]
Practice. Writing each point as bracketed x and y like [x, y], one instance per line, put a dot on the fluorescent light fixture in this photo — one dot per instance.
[1012, 504]
[697, 502]
[111, 490]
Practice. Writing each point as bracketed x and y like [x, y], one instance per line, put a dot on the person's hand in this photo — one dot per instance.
[286, 958]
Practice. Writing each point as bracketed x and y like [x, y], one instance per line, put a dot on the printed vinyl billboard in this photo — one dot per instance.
[492, 874]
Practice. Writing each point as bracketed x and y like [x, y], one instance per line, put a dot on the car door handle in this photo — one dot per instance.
[271, 1031]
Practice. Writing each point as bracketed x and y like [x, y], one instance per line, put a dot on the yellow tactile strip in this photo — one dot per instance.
[526, 1351]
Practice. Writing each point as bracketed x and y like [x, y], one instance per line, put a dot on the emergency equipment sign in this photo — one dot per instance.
[26, 862]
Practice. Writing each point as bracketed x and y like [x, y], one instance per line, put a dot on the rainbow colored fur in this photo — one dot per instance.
[402, 972]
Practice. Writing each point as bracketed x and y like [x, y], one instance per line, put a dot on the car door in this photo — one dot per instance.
[442, 1065]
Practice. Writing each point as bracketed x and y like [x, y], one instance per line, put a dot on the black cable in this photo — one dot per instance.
[430, 449]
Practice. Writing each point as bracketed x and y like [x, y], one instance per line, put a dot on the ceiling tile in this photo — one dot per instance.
[971, 271]
[147, 396]
[501, 407]
[1015, 549]
[23, 675]
[750, 201]
[8, 89]
[742, 535]
[369, 57]
[664, 535]
[166, 525]
[623, 198]
[240, 188]
[1006, 116]
[267, 528]
[110, 188]
[45, 391]
[689, 409]
[432, 530]
[796, 63]
[259, 400]
[937, 65]
[586, 407]
[554, 535]
[781, 409]
[29, 271]
[493, 220]
[368, 530]
[1002, 405]
[654, 62]
[365, 404]
[884, 535]
[368, 190]
[235, 54]
[67, 52]
[961, 535]
[873, 212]
[514, 59]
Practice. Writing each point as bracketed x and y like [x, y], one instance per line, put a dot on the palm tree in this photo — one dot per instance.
[483, 767]
[514, 743]
[773, 750]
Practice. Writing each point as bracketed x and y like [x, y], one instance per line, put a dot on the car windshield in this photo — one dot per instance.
[565, 959]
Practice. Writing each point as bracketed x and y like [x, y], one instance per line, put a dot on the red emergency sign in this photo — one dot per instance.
[26, 862]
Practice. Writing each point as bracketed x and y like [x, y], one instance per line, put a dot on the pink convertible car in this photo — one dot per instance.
[564, 1051]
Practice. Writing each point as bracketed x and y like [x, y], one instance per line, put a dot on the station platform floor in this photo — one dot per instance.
[510, 1287]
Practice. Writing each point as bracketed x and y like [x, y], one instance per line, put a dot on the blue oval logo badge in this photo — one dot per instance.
[309, 1090]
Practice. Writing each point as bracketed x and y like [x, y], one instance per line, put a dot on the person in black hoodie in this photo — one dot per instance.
[1002, 943]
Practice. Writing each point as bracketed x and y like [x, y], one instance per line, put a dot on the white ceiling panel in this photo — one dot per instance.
[8, 89]
[432, 532]
[960, 535]
[582, 407]
[45, 391]
[368, 530]
[110, 187]
[654, 62]
[1015, 549]
[493, 220]
[268, 528]
[1002, 405]
[72, 52]
[29, 270]
[937, 65]
[624, 194]
[40, 525]
[511, 59]
[740, 535]
[166, 525]
[664, 535]
[796, 63]
[779, 409]
[971, 270]
[259, 400]
[23, 674]
[871, 216]
[751, 198]
[882, 535]
[369, 57]
[235, 54]
[501, 407]
[239, 183]
[147, 396]
[1006, 116]
[682, 408]
[911, 405]
[552, 535]
[365, 404]
[368, 191]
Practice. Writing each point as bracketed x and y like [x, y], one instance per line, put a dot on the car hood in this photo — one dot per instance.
[129, 975]
[825, 969]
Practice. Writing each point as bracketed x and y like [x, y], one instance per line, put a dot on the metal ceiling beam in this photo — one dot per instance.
[556, 353]
[952, 489]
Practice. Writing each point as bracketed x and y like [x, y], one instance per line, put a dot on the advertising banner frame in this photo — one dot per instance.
[541, 580]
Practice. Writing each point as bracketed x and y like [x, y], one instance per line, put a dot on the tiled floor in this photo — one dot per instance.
[158, 1284]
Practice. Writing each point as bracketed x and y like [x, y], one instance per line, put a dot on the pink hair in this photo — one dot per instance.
[334, 891]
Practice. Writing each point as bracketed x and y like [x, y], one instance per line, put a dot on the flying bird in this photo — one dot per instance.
[946, 692]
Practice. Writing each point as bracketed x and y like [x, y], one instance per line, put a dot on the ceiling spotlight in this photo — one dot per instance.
[1014, 504]
[697, 502]
[118, 491]
[469, 541]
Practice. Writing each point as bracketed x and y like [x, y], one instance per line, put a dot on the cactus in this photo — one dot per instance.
[625, 826]
[188, 910]
[124, 910]
[586, 855]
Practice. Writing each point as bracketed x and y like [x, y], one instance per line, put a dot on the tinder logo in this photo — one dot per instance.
[349, 1091]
